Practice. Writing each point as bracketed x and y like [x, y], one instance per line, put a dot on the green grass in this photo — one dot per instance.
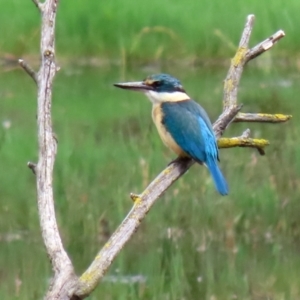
[149, 31]
[194, 244]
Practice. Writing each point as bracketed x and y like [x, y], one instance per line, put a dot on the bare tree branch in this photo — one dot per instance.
[225, 119]
[47, 143]
[242, 56]
[63, 270]
[28, 70]
[143, 202]
[236, 68]
[38, 4]
[265, 45]
[243, 141]
[262, 118]
[32, 166]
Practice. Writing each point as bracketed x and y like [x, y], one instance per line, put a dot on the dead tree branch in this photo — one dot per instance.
[243, 141]
[28, 70]
[264, 46]
[235, 71]
[144, 201]
[262, 118]
[38, 4]
[32, 166]
[61, 264]
[47, 142]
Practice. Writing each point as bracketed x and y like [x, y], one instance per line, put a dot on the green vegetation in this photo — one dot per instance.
[147, 31]
[194, 244]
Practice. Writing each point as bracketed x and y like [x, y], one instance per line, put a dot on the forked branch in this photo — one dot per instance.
[38, 4]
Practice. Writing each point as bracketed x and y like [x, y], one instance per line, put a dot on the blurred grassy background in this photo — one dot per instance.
[194, 244]
[149, 31]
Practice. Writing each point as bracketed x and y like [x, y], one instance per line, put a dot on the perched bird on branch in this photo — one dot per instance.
[182, 123]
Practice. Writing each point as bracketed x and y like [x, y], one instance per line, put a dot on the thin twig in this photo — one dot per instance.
[38, 4]
[244, 41]
[265, 45]
[262, 118]
[32, 166]
[28, 70]
[246, 133]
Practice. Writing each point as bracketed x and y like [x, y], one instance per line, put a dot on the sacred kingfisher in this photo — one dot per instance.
[182, 123]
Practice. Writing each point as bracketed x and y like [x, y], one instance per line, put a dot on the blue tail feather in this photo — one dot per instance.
[219, 180]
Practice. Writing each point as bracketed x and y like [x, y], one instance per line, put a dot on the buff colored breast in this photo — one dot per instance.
[157, 116]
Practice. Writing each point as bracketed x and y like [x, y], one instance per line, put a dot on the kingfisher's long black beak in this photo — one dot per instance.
[139, 86]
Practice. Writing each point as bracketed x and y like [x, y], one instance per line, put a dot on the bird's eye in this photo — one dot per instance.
[156, 84]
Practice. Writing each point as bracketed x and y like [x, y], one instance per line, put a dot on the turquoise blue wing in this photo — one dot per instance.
[190, 127]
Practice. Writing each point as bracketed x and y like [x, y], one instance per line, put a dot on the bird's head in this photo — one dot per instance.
[158, 88]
